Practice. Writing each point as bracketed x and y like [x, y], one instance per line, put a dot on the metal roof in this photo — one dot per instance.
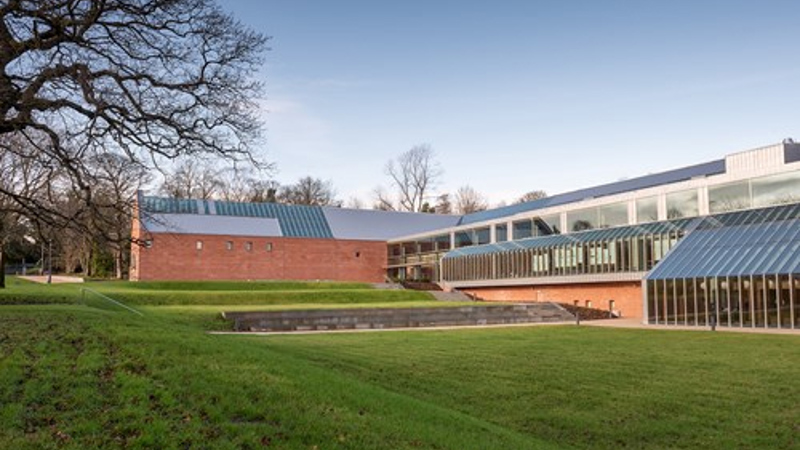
[217, 225]
[657, 179]
[579, 237]
[382, 225]
[198, 216]
[294, 220]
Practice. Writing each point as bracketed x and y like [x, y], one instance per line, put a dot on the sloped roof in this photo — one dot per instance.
[206, 217]
[756, 242]
[218, 225]
[383, 225]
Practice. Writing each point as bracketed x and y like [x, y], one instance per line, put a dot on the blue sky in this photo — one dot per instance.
[521, 95]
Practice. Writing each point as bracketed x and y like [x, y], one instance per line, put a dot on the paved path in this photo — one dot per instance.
[637, 323]
[57, 279]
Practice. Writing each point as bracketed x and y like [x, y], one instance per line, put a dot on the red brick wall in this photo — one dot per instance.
[627, 296]
[175, 257]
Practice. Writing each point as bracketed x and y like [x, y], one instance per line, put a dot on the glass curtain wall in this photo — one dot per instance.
[612, 254]
[754, 301]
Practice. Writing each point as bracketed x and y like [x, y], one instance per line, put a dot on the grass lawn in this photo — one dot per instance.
[78, 377]
[207, 293]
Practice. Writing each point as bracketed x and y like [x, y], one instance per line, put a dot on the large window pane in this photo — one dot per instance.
[501, 232]
[682, 204]
[482, 235]
[442, 242]
[612, 215]
[463, 239]
[552, 223]
[776, 189]
[647, 210]
[729, 197]
[584, 219]
[522, 229]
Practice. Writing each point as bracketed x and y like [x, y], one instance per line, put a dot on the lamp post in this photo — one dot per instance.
[713, 315]
[50, 262]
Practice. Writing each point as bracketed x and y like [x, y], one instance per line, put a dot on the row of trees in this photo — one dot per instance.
[415, 174]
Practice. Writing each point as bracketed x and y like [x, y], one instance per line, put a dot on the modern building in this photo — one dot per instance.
[713, 241]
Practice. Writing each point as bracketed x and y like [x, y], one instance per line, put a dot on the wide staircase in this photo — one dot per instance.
[385, 318]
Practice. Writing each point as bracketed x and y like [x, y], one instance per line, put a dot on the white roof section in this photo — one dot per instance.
[372, 225]
[216, 225]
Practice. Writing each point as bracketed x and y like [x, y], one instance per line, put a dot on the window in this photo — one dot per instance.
[248, 246]
[552, 223]
[612, 215]
[522, 229]
[482, 235]
[442, 242]
[682, 204]
[269, 246]
[588, 303]
[358, 254]
[647, 210]
[198, 245]
[584, 219]
[729, 197]
[776, 189]
[229, 245]
[501, 232]
[148, 243]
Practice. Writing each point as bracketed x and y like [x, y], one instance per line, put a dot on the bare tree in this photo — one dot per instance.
[468, 200]
[147, 80]
[443, 205]
[119, 180]
[245, 184]
[382, 200]
[414, 174]
[531, 196]
[309, 191]
[24, 178]
[354, 203]
[192, 179]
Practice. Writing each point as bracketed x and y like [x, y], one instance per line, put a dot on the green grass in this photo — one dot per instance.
[208, 293]
[76, 377]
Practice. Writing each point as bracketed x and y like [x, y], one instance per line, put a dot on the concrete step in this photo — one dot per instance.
[378, 318]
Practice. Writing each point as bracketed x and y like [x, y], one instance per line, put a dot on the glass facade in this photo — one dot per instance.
[552, 223]
[752, 301]
[737, 269]
[776, 189]
[682, 204]
[523, 229]
[582, 219]
[729, 197]
[501, 232]
[613, 215]
[606, 216]
[615, 250]
[647, 210]
[736, 196]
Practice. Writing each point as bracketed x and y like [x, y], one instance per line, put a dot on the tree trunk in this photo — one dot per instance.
[118, 262]
[2, 267]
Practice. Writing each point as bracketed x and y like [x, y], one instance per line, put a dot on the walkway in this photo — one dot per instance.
[637, 323]
[56, 279]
